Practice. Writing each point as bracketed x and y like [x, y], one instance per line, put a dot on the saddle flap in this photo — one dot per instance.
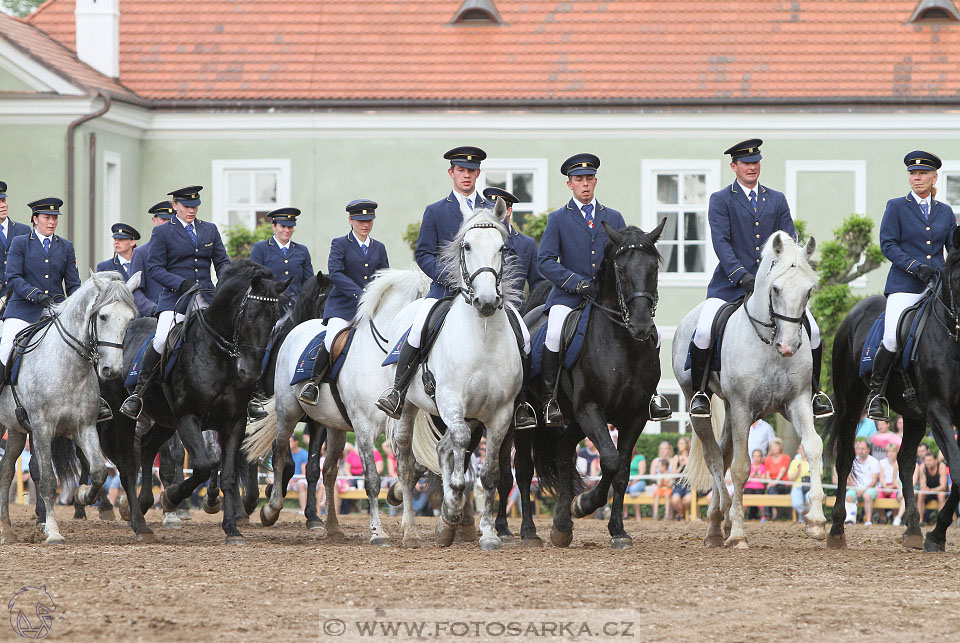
[339, 343]
[431, 328]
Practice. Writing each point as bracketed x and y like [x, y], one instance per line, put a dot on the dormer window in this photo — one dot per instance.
[477, 12]
[935, 11]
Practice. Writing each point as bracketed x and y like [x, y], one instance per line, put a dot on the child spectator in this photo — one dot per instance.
[890, 479]
[881, 439]
[753, 484]
[799, 472]
[777, 464]
[680, 499]
[661, 467]
[862, 483]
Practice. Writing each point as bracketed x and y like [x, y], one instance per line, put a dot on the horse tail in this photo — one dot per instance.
[696, 472]
[426, 436]
[262, 433]
[544, 447]
[65, 460]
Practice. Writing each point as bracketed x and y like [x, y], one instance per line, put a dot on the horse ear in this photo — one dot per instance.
[96, 280]
[612, 234]
[500, 210]
[256, 283]
[810, 247]
[656, 232]
[777, 244]
[283, 285]
[319, 275]
[134, 282]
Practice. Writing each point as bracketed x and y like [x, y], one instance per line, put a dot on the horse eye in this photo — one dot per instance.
[466, 247]
[103, 317]
[776, 290]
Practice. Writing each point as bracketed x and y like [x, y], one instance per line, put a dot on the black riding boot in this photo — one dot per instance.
[310, 393]
[524, 417]
[255, 410]
[882, 362]
[105, 413]
[133, 405]
[391, 399]
[822, 406]
[550, 370]
[699, 371]
[660, 410]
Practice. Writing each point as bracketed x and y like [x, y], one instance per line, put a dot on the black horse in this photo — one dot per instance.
[616, 374]
[935, 377]
[209, 387]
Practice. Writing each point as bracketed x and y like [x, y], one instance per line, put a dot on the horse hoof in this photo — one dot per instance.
[737, 543]
[55, 539]
[446, 532]
[621, 542]
[336, 537]
[7, 537]
[380, 541]
[560, 538]
[242, 521]
[411, 543]
[713, 541]
[533, 542]
[395, 498]
[932, 546]
[467, 533]
[79, 512]
[576, 509]
[314, 525]
[108, 515]
[82, 492]
[490, 544]
[266, 520]
[170, 521]
[147, 538]
[165, 502]
[213, 508]
[837, 541]
[815, 530]
[236, 540]
[913, 541]
[184, 514]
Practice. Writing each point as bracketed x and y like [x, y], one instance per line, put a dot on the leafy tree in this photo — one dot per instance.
[240, 239]
[21, 8]
[534, 224]
[411, 234]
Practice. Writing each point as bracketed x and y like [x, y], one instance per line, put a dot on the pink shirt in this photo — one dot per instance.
[356, 465]
[756, 471]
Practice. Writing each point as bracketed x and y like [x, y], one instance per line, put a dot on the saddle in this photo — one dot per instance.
[571, 336]
[428, 336]
[909, 328]
[717, 329]
[338, 354]
[20, 343]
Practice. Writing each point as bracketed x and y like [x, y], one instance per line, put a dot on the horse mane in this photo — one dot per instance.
[449, 257]
[412, 283]
[114, 289]
[631, 234]
[792, 257]
[308, 304]
[243, 271]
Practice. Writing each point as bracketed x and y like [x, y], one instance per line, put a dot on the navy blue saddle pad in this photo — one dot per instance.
[308, 357]
[875, 337]
[718, 345]
[573, 349]
[134, 372]
[434, 320]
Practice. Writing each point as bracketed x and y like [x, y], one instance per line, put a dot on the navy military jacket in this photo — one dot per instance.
[351, 271]
[522, 249]
[296, 264]
[174, 258]
[114, 264]
[31, 273]
[441, 223]
[571, 251]
[148, 292]
[739, 234]
[14, 229]
[908, 240]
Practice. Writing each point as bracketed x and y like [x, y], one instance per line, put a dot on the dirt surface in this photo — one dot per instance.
[281, 584]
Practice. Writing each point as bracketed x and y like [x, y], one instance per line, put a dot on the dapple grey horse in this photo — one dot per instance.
[59, 389]
[766, 368]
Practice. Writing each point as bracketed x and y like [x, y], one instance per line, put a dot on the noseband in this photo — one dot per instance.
[623, 301]
[467, 291]
[774, 316]
[233, 346]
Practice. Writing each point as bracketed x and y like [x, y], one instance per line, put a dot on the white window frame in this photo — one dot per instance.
[650, 168]
[859, 170]
[948, 167]
[537, 166]
[219, 199]
[116, 199]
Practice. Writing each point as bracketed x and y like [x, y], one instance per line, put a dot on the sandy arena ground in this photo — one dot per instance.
[193, 587]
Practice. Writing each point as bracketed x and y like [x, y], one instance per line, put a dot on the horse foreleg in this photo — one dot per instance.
[594, 426]
[406, 472]
[151, 441]
[913, 431]
[942, 429]
[318, 435]
[8, 466]
[128, 467]
[451, 452]
[47, 485]
[204, 460]
[739, 426]
[712, 455]
[618, 536]
[371, 477]
[79, 507]
[335, 442]
[211, 501]
[40, 509]
[523, 461]
[89, 442]
[251, 484]
[490, 476]
[270, 512]
[228, 481]
[800, 414]
[504, 487]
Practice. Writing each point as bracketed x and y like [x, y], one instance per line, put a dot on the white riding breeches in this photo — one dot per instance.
[165, 322]
[558, 314]
[897, 302]
[11, 327]
[701, 337]
[416, 328]
[334, 326]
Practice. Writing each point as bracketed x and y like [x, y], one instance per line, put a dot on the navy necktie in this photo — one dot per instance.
[283, 251]
[469, 205]
[925, 208]
[3, 236]
[364, 248]
[46, 246]
[588, 214]
[753, 200]
[192, 234]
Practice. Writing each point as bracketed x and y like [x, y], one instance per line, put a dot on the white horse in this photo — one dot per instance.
[476, 364]
[361, 380]
[765, 368]
[60, 392]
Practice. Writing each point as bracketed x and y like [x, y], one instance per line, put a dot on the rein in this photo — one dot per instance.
[87, 351]
[233, 346]
[623, 301]
[467, 292]
[774, 315]
[949, 309]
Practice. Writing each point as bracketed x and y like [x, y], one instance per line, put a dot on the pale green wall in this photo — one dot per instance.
[33, 165]
[10, 83]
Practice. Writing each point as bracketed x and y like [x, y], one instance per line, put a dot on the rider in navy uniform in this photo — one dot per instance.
[914, 233]
[41, 268]
[441, 223]
[125, 239]
[148, 292]
[521, 249]
[285, 258]
[742, 217]
[353, 261]
[8, 230]
[571, 249]
[181, 255]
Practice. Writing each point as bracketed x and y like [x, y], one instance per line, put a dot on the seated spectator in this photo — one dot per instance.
[587, 458]
[298, 482]
[867, 427]
[754, 484]
[922, 450]
[883, 437]
[890, 479]
[421, 499]
[680, 500]
[777, 464]
[898, 426]
[637, 485]
[664, 489]
[799, 473]
[862, 483]
[761, 433]
[933, 483]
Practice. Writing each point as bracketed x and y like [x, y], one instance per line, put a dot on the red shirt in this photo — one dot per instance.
[356, 465]
[777, 466]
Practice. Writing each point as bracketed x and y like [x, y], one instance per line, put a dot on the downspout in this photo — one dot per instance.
[92, 224]
[71, 228]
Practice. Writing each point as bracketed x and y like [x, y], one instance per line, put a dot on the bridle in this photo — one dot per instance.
[774, 316]
[467, 291]
[950, 308]
[623, 301]
[86, 350]
[233, 346]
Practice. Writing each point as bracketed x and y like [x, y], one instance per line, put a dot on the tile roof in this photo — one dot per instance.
[57, 57]
[576, 51]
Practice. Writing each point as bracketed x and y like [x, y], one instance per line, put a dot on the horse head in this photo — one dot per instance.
[628, 278]
[474, 262]
[951, 274]
[108, 312]
[785, 281]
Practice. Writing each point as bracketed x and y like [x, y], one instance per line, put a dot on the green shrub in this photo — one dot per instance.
[240, 239]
